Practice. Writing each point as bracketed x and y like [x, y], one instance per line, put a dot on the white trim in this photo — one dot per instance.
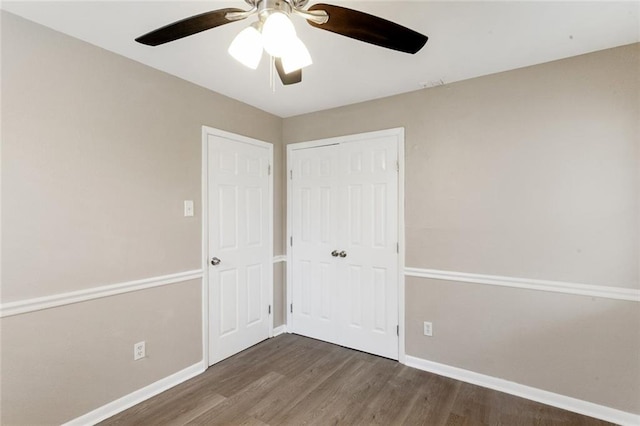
[61, 299]
[396, 131]
[401, 247]
[136, 397]
[618, 293]
[281, 329]
[204, 208]
[280, 258]
[545, 397]
[289, 231]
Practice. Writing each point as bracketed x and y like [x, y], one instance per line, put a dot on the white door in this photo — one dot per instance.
[344, 250]
[240, 250]
[315, 237]
[368, 230]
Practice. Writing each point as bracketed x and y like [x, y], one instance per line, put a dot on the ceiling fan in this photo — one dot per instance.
[274, 32]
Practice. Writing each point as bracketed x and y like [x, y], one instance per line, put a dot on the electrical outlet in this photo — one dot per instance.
[139, 351]
[428, 329]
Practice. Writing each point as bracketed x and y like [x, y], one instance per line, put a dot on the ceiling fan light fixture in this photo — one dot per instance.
[296, 57]
[246, 47]
[274, 32]
[277, 33]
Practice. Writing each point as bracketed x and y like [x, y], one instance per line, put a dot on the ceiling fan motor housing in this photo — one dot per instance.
[267, 7]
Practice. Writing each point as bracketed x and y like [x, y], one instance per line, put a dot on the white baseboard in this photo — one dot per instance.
[545, 397]
[127, 401]
[280, 330]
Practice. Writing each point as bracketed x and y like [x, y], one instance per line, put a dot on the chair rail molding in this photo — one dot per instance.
[608, 292]
[61, 299]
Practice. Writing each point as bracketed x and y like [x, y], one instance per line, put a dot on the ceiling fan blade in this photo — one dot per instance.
[292, 78]
[187, 27]
[370, 29]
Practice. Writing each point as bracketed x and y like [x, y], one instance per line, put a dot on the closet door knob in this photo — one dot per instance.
[335, 253]
[215, 261]
[342, 254]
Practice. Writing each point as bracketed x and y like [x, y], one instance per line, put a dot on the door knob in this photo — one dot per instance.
[335, 253]
[342, 254]
[215, 261]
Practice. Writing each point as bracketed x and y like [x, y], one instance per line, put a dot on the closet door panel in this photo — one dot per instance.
[368, 233]
[314, 294]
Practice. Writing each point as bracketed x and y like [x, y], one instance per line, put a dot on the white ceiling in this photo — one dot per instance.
[466, 40]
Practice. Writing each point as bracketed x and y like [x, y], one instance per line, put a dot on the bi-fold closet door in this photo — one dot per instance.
[344, 243]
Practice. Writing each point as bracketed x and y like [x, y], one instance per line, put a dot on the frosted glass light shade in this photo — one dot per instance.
[246, 48]
[277, 33]
[296, 56]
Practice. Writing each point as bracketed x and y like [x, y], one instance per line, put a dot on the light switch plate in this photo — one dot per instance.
[188, 208]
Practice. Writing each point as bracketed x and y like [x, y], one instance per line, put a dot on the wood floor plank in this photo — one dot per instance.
[233, 410]
[346, 399]
[251, 421]
[295, 380]
[433, 400]
[392, 406]
[477, 405]
[300, 358]
[176, 406]
[233, 374]
[350, 408]
[300, 410]
[300, 386]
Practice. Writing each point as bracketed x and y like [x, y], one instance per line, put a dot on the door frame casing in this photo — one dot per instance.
[205, 255]
[398, 132]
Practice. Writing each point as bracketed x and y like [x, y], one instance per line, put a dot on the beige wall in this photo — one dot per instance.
[531, 173]
[98, 154]
[58, 364]
[280, 293]
[580, 346]
[280, 235]
[101, 145]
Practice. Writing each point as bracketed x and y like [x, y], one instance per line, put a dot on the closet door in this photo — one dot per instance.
[314, 225]
[368, 235]
[344, 227]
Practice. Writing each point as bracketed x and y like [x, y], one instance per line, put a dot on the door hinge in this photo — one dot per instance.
[397, 166]
[398, 248]
[398, 330]
[269, 309]
[291, 241]
[290, 174]
[291, 307]
[269, 170]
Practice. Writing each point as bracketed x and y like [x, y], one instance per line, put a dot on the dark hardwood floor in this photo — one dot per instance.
[294, 380]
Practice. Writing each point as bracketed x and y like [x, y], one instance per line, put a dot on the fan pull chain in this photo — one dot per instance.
[272, 74]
